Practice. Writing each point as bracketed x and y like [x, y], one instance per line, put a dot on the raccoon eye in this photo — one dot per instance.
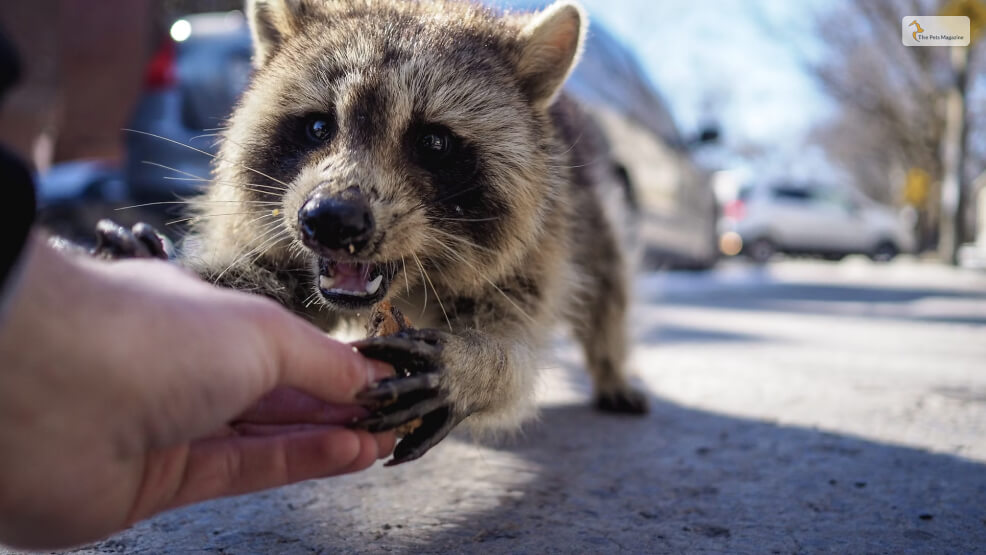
[320, 127]
[434, 145]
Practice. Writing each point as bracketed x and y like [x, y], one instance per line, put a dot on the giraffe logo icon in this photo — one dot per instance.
[917, 32]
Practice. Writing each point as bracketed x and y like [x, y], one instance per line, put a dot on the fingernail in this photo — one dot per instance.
[379, 370]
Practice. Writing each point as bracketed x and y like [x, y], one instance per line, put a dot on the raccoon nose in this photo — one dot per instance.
[341, 222]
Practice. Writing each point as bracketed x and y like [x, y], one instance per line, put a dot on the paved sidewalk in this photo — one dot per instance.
[806, 408]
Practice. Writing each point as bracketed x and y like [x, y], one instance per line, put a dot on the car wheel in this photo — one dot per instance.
[761, 250]
[885, 251]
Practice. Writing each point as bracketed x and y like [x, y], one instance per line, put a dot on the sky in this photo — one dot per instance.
[716, 61]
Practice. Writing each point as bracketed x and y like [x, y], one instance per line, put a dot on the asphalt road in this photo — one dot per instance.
[802, 408]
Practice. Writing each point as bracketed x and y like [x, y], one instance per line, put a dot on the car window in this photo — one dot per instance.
[835, 197]
[792, 194]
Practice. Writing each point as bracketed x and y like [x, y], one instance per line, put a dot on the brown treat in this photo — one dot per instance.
[406, 429]
[386, 319]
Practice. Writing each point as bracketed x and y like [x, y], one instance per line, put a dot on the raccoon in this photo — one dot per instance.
[423, 153]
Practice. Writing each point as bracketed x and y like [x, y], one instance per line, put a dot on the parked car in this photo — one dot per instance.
[192, 83]
[811, 219]
[677, 206]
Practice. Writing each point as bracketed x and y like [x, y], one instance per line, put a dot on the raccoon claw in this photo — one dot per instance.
[389, 391]
[414, 394]
[434, 427]
[382, 421]
[410, 352]
[114, 241]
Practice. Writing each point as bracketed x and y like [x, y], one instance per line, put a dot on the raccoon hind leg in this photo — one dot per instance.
[600, 325]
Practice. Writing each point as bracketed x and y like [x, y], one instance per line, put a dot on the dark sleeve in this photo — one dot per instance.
[16, 185]
[18, 214]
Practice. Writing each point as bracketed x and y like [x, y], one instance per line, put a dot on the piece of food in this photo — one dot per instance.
[387, 319]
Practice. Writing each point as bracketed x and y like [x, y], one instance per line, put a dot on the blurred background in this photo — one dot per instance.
[809, 322]
[744, 128]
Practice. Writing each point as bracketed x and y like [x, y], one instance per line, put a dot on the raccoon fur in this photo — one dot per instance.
[423, 153]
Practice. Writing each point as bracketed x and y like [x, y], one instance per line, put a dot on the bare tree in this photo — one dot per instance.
[890, 99]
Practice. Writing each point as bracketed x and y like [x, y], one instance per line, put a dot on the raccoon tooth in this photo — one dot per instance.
[325, 282]
[372, 286]
[352, 249]
[347, 293]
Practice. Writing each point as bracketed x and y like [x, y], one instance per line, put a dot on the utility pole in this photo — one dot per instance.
[951, 224]
[954, 192]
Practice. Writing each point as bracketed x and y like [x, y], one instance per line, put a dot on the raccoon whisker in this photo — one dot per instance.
[463, 241]
[459, 257]
[466, 219]
[233, 183]
[310, 299]
[260, 191]
[516, 306]
[407, 282]
[209, 154]
[422, 271]
[296, 250]
[270, 244]
[574, 143]
[587, 164]
[438, 298]
[261, 218]
[195, 178]
[459, 193]
[206, 216]
[169, 168]
[204, 135]
[197, 202]
[200, 217]
[267, 240]
[264, 231]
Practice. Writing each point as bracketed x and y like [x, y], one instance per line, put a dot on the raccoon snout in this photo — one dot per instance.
[336, 221]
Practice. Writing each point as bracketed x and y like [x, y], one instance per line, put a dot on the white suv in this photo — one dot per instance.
[810, 219]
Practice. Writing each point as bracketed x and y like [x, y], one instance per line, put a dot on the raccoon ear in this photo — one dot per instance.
[550, 47]
[272, 22]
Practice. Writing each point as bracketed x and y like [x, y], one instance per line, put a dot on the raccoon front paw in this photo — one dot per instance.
[114, 242]
[415, 396]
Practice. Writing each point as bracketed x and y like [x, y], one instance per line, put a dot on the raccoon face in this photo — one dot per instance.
[403, 141]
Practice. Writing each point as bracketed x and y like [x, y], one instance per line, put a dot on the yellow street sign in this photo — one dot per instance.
[975, 10]
[916, 187]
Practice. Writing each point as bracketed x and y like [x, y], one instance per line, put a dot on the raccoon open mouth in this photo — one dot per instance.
[353, 285]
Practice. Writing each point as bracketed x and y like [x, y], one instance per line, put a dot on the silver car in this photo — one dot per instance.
[810, 219]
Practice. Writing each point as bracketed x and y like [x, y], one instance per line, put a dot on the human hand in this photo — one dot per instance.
[129, 388]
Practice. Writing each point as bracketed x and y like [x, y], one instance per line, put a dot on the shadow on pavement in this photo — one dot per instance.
[664, 334]
[687, 480]
[678, 480]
